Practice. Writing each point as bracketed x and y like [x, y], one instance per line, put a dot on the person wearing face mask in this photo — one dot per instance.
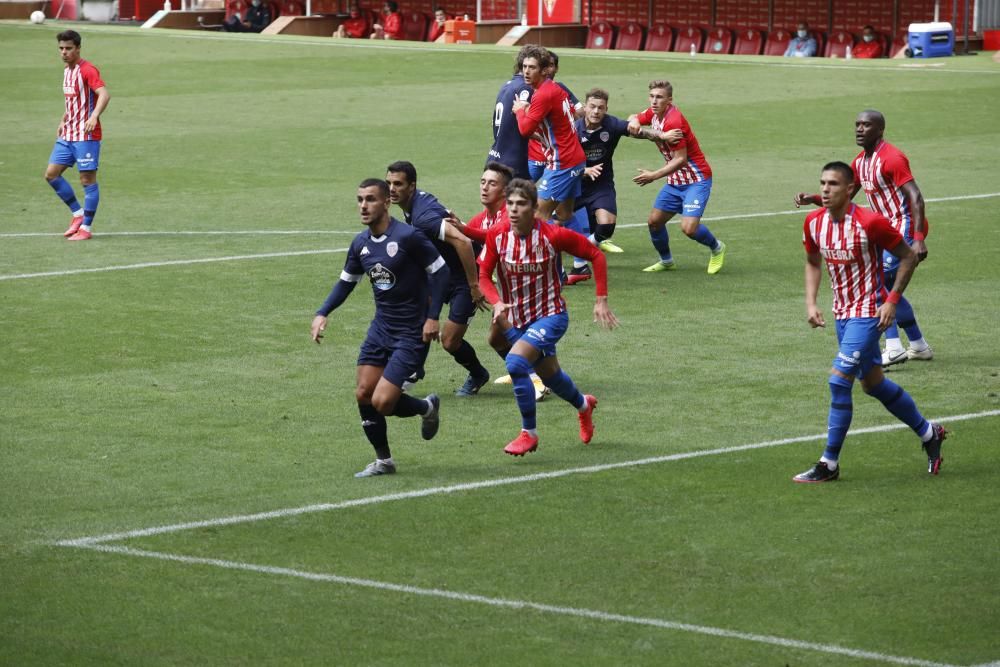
[258, 17]
[870, 45]
[803, 45]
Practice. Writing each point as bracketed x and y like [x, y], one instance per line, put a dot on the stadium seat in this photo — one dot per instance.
[720, 40]
[660, 38]
[749, 42]
[777, 43]
[601, 35]
[839, 41]
[415, 26]
[630, 37]
[234, 7]
[275, 10]
[292, 8]
[688, 36]
[820, 38]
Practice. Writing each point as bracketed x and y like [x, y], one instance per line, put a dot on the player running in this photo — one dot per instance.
[883, 171]
[851, 240]
[406, 273]
[689, 181]
[530, 310]
[423, 211]
[79, 136]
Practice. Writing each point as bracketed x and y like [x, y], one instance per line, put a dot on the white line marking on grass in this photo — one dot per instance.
[485, 484]
[246, 232]
[505, 603]
[174, 262]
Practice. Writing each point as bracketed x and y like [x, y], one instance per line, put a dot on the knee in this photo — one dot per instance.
[690, 228]
[383, 404]
[363, 394]
[517, 365]
[451, 342]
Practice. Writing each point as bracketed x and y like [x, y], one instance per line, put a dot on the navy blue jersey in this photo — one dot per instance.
[599, 145]
[509, 147]
[427, 214]
[573, 102]
[397, 263]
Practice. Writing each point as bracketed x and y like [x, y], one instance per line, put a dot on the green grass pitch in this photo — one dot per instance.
[163, 374]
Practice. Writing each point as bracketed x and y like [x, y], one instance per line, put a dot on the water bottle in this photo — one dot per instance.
[166, 6]
[847, 53]
[694, 49]
[524, 19]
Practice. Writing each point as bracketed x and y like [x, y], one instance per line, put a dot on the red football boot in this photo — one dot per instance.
[522, 444]
[74, 226]
[587, 419]
[81, 235]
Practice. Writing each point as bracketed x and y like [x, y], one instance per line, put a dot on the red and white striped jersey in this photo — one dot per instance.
[79, 84]
[697, 168]
[882, 175]
[852, 248]
[551, 115]
[528, 268]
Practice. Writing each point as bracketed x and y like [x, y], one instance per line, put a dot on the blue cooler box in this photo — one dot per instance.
[931, 40]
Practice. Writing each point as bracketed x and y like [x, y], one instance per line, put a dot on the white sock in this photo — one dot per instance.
[579, 263]
[592, 239]
[388, 461]
[830, 464]
[78, 213]
[919, 345]
[927, 435]
[533, 432]
[893, 345]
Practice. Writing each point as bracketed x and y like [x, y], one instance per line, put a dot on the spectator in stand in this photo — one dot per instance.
[356, 25]
[437, 28]
[391, 26]
[870, 45]
[803, 45]
[258, 18]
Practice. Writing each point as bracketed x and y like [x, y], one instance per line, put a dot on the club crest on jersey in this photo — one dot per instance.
[392, 248]
[523, 95]
[381, 277]
[605, 136]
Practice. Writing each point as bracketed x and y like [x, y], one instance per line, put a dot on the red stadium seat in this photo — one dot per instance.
[686, 37]
[601, 35]
[630, 37]
[292, 8]
[720, 40]
[660, 38]
[415, 26]
[820, 38]
[749, 42]
[777, 43]
[839, 41]
[234, 7]
[275, 10]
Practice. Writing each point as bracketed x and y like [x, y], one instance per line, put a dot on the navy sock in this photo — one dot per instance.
[65, 192]
[524, 391]
[91, 198]
[703, 236]
[900, 404]
[409, 406]
[563, 387]
[466, 356]
[661, 241]
[841, 413]
[374, 425]
[604, 232]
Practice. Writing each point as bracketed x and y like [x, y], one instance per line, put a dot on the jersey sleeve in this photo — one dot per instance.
[882, 232]
[431, 221]
[808, 242]
[353, 270]
[487, 266]
[897, 166]
[617, 125]
[91, 76]
[474, 228]
[529, 119]
[645, 117]
[577, 245]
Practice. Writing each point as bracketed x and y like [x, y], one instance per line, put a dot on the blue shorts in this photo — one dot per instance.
[542, 334]
[688, 200]
[84, 154]
[535, 169]
[580, 222]
[859, 351]
[460, 307]
[561, 184]
[400, 356]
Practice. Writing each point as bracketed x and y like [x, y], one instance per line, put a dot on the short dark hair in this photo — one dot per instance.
[869, 27]
[519, 61]
[876, 115]
[379, 183]
[506, 173]
[69, 36]
[842, 167]
[662, 83]
[525, 187]
[598, 93]
[403, 167]
[539, 53]
[393, 5]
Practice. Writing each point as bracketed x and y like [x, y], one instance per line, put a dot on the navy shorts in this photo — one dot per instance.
[604, 197]
[461, 309]
[859, 352]
[399, 355]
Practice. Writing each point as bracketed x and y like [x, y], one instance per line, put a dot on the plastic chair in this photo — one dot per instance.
[777, 43]
[660, 38]
[630, 37]
[749, 42]
[688, 37]
[601, 35]
[839, 41]
[719, 40]
[415, 26]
